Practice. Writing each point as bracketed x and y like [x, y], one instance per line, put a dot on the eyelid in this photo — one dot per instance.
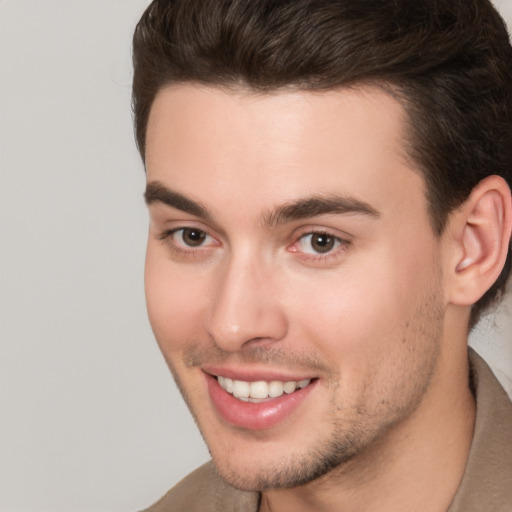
[173, 232]
[319, 229]
[166, 235]
[344, 242]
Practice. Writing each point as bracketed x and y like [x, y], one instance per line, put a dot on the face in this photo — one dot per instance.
[292, 275]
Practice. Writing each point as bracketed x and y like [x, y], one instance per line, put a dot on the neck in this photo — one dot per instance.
[416, 466]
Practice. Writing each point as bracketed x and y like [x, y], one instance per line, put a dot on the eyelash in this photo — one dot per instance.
[340, 244]
[169, 238]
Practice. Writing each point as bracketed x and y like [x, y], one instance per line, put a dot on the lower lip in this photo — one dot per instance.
[255, 416]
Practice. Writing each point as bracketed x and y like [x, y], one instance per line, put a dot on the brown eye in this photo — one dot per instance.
[193, 237]
[322, 243]
[318, 243]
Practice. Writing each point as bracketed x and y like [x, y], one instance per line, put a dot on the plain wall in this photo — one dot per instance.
[90, 419]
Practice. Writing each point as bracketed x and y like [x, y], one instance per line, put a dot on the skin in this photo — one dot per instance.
[371, 319]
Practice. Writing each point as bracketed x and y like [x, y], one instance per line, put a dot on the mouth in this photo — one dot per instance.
[256, 402]
[260, 391]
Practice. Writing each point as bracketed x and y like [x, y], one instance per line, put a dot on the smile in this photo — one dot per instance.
[256, 403]
[260, 390]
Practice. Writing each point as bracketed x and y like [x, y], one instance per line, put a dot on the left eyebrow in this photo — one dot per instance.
[156, 192]
[319, 205]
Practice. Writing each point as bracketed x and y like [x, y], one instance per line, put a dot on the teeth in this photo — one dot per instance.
[275, 389]
[259, 390]
[241, 389]
[290, 387]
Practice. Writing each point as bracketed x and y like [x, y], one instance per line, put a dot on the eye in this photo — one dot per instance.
[190, 237]
[318, 243]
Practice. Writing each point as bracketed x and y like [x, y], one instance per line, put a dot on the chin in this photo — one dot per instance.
[274, 469]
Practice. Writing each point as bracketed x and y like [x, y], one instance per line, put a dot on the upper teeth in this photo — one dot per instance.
[259, 389]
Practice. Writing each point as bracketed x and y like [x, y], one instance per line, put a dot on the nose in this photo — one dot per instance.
[244, 307]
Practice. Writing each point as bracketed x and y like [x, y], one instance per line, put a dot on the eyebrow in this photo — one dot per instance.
[156, 192]
[308, 207]
[319, 205]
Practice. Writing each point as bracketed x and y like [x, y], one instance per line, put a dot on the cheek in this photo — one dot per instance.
[360, 317]
[174, 301]
[343, 311]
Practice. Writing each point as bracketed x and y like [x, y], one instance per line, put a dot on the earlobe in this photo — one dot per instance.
[482, 240]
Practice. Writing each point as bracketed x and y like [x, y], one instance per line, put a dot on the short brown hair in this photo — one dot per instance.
[448, 61]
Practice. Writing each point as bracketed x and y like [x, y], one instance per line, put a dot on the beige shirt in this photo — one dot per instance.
[485, 487]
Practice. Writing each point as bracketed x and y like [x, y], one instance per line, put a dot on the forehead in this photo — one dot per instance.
[268, 149]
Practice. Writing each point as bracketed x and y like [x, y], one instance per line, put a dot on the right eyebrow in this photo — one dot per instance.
[319, 205]
[156, 192]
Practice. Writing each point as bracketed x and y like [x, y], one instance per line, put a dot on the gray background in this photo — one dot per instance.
[89, 417]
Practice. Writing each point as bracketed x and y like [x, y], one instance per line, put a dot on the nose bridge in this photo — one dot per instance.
[244, 306]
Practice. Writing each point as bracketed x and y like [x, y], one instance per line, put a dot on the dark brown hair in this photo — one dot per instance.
[448, 61]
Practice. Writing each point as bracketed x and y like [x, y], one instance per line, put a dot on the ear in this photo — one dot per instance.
[480, 231]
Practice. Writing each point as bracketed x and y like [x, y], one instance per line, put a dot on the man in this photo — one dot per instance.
[330, 213]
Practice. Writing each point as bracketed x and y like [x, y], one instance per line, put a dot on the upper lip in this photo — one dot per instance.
[255, 374]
